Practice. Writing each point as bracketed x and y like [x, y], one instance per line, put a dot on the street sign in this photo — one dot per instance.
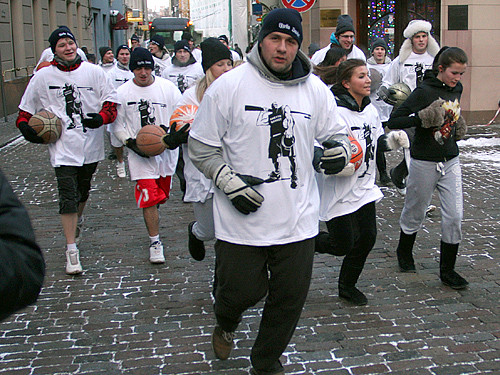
[299, 5]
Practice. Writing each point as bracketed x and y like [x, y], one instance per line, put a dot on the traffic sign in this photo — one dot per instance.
[299, 5]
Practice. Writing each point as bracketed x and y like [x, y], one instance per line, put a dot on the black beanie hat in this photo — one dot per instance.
[120, 47]
[181, 44]
[224, 38]
[283, 20]
[186, 35]
[379, 42]
[104, 50]
[344, 23]
[134, 37]
[59, 33]
[139, 58]
[212, 50]
[158, 40]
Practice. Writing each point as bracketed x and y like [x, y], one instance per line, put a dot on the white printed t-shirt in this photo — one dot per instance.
[183, 77]
[342, 195]
[70, 96]
[253, 120]
[141, 106]
[198, 187]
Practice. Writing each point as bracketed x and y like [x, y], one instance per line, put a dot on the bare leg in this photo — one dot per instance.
[152, 220]
[119, 153]
[69, 226]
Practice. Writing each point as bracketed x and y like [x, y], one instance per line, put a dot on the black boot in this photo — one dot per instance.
[398, 174]
[447, 267]
[404, 252]
[347, 280]
[384, 178]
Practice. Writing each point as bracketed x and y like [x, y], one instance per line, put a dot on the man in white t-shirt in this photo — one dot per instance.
[147, 100]
[107, 62]
[344, 37]
[415, 57]
[83, 97]
[254, 135]
[160, 54]
[184, 70]
[224, 40]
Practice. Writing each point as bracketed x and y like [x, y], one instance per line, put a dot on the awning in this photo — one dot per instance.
[121, 23]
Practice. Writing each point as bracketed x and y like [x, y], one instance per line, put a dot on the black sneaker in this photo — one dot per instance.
[453, 280]
[384, 179]
[196, 247]
[352, 295]
[222, 343]
[406, 265]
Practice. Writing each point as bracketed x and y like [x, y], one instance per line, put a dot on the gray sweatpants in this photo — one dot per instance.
[424, 178]
[203, 229]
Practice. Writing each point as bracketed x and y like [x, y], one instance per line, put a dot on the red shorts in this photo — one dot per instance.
[150, 192]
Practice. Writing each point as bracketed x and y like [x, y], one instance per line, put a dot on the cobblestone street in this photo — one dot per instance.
[127, 316]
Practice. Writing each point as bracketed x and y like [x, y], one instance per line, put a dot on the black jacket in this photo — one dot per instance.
[424, 146]
[22, 267]
[345, 99]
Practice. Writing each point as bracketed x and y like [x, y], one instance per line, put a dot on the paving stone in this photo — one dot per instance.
[126, 316]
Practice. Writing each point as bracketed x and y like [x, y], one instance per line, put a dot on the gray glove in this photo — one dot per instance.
[460, 128]
[433, 115]
[239, 190]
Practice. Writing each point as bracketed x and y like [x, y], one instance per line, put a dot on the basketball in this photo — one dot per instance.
[43, 64]
[47, 126]
[149, 140]
[356, 153]
[183, 115]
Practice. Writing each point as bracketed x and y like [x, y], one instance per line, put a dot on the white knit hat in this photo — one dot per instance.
[417, 26]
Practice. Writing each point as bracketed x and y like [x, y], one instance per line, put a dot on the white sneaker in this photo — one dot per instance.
[156, 253]
[402, 191]
[73, 266]
[120, 169]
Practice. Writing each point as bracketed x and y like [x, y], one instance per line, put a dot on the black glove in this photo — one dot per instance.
[93, 121]
[318, 154]
[383, 93]
[335, 156]
[29, 133]
[131, 143]
[174, 138]
[238, 189]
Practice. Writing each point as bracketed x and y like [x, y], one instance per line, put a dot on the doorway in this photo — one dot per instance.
[387, 19]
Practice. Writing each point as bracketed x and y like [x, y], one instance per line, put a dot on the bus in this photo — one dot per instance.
[171, 28]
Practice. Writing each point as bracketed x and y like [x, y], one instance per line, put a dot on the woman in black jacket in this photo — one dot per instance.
[433, 109]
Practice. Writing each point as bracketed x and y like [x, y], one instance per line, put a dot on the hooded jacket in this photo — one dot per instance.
[424, 146]
[301, 67]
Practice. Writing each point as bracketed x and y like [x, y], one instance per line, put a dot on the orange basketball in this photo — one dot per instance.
[43, 64]
[356, 153]
[149, 140]
[47, 126]
[183, 115]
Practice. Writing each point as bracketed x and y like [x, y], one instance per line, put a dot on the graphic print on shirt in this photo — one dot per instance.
[146, 110]
[282, 139]
[71, 94]
[419, 71]
[121, 80]
[369, 153]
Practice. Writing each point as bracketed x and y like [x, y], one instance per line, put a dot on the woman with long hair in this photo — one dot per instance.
[327, 69]
[216, 60]
[348, 198]
[433, 109]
